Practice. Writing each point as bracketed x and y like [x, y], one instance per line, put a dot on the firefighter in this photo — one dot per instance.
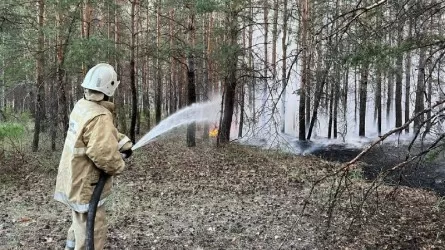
[93, 144]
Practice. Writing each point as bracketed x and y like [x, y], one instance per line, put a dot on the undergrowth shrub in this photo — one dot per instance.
[11, 135]
[11, 130]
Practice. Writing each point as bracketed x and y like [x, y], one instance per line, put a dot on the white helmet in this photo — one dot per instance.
[102, 78]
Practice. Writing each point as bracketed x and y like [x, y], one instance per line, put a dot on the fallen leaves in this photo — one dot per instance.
[234, 197]
[24, 219]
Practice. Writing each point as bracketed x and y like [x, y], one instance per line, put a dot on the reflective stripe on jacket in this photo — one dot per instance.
[92, 143]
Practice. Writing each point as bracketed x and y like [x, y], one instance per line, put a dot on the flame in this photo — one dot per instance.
[213, 132]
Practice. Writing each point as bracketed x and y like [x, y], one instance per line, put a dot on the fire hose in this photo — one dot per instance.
[94, 202]
[91, 216]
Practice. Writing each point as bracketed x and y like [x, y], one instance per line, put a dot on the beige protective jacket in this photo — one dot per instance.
[92, 143]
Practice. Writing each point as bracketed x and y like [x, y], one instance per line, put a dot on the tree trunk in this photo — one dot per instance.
[191, 128]
[158, 91]
[308, 91]
[54, 115]
[146, 73]
[284, 68]
[229, 100]
[356, 98]
[363, 94]
[230, 80]
[241, 120]
[146, 95]
[336, 98]
[420, 91]
[320, 81]
[408, 81]
[429, 95]
[3, 86]
[145, 89]
[54, 102]
[266, 61]
[172, 67]
[39, 75]
[275, 39]
[252, 82]
[336, 101]
[207, 50]
[399, 73]
[345, 95]
[378, 100]
[86, 13]
[331, 111]
[134, 95]
[120, 94]
[304, 73]
[429, 89]
[390, 93]
[317, 100]
[63, 96]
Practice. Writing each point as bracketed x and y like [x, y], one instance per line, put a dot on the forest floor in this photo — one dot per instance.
[233, 197]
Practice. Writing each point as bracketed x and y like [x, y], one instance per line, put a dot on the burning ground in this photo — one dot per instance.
[235, 197]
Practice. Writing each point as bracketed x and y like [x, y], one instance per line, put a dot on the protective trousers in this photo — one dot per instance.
[77, 231]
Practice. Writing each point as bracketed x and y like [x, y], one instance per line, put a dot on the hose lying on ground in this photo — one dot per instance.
[95, 198]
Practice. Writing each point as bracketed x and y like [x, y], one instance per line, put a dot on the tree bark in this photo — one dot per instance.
[266, 62]
[390, 93]
[284, 67]
[304, 71]
[320, 82]
[40, 61]
[252, 82]
[420, 91]
[133, 83]
[275, 39]
[378, 100]
[120, 94]
[138, 83]
[229, 100]
[86, 13]
[172, 65]
[345, 96]
[208, 22]
[331, 111]
[145, 74]
[191, 128]
[408, 80]
[54, 115]
[158, 91]
[429, 95]
[336, 101]
[3, 87]
[191, 88]
[59, 80]
[317, 100]
[241, 119]
[399, 73]
[363, 95]
[230, 79]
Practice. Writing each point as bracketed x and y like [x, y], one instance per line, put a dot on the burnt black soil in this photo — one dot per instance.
[427, 173]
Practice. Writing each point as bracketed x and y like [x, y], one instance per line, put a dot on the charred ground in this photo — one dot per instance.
[235, 197]
[427, 172]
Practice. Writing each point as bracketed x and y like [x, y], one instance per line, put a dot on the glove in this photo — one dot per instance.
[127, 153]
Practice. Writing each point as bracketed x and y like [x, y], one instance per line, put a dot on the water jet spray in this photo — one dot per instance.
[198, 112]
